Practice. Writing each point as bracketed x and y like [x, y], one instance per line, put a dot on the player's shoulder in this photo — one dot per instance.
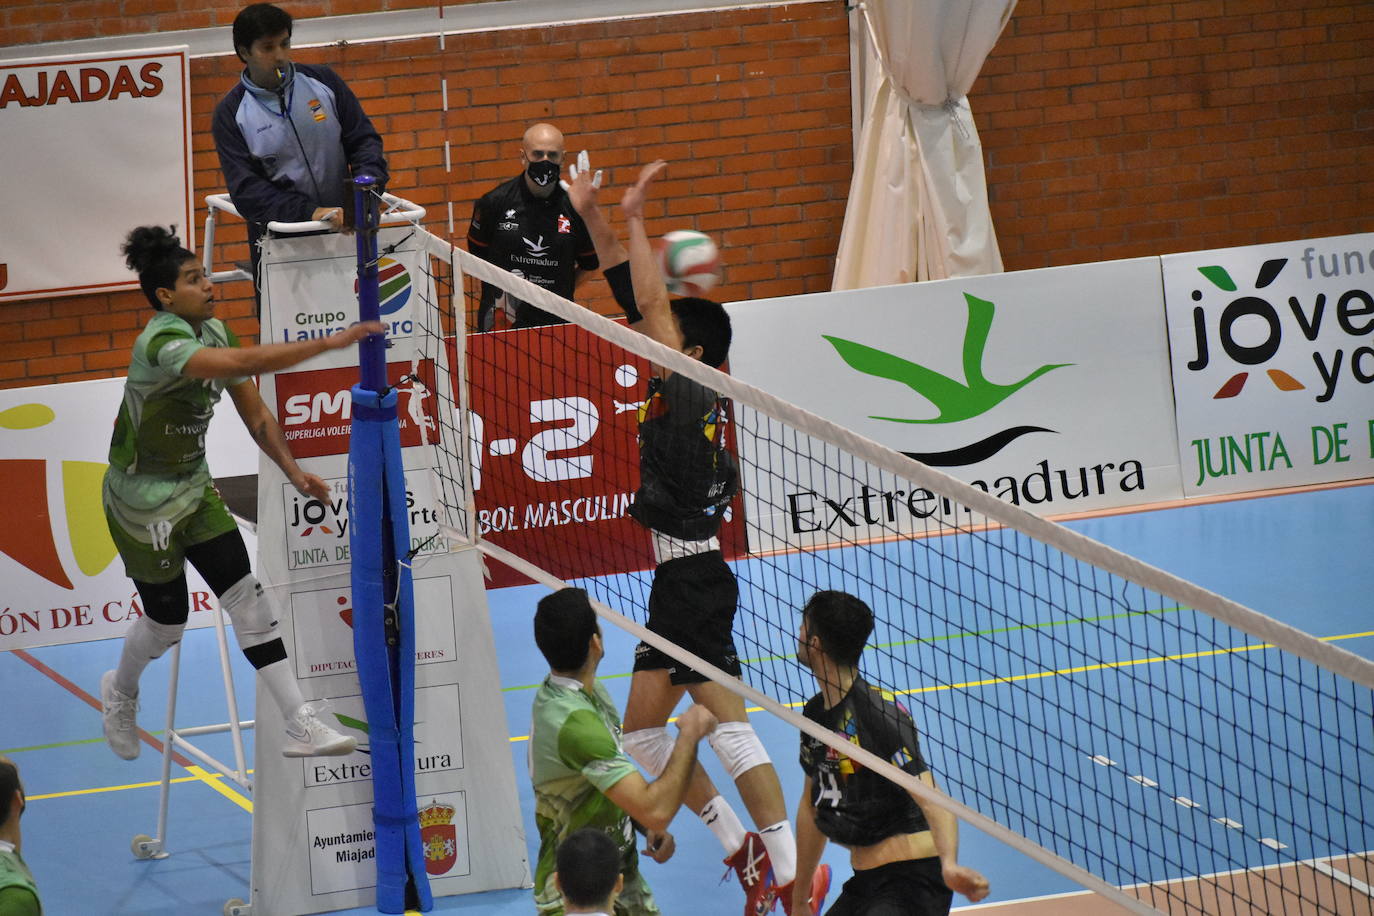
[814, 708]
[165, 333]
[229, 103]
[166, 324]
[216, 333]
[319, 72]
[507, 193]
[880, 709]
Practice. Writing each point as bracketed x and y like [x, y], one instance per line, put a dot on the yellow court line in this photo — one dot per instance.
[213, 780]
[216, 782]
[1013, 678]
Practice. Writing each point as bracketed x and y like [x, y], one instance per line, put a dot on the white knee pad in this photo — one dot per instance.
[250, 612]
[738, 748]
[151, 639]
[650, 748]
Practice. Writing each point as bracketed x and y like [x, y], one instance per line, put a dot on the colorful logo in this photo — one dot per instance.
[954, 400]
[439, 837]
[1246, 311]
[393, 286]
[26, 525]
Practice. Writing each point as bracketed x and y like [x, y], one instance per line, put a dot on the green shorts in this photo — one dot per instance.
[155, 563]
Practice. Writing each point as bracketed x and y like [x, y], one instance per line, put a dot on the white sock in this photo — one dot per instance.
[722, 821]
[146, 640]
[782, 851]
[280, 681]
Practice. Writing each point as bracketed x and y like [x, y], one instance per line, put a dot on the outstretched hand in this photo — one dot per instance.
[351, 335]
[584, 185]
[632, 203]
[312, 486]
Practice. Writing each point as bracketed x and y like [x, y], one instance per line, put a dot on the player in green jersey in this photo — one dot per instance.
[18, 892]
[582, 776]
[161, 504]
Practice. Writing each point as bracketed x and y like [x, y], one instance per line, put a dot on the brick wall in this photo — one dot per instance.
[1121, 128]
[751, 105]
[26, 21]
[1111, 128]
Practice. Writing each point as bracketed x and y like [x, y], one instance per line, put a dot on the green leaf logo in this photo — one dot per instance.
[954, 400]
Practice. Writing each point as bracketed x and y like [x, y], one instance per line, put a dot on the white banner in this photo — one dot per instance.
[1047, 388]
[92, 145]
[63, 581]
[313, 848]
[1273, 359]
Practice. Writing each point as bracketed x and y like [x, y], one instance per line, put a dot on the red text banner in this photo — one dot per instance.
[554, 444]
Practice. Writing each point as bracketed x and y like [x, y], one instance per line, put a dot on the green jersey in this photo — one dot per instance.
[18, 892]
[575, 757]
[157, 470]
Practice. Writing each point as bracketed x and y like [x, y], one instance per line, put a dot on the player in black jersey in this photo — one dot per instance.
[904, 851]
[687, 479]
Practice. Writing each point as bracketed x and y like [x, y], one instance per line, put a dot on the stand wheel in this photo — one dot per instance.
[236, 907]
[145, 847]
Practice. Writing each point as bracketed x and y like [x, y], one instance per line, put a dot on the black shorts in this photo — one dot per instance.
[692, 603]
[912, 887]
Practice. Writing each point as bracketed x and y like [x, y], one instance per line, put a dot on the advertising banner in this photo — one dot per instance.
[1273, 359]
[63, 580]
[130, 113]
[558, 447]
[313, 843]
[1047, 388]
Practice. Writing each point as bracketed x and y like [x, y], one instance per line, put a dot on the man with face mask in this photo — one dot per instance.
[527, 226]
[18, 892]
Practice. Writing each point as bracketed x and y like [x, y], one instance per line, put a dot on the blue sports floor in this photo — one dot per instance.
[1301, 557]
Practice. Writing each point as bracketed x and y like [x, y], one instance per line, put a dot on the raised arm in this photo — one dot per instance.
[944, 830]
[233, 362]
[650, 292]
[653, 804]
[582, 190]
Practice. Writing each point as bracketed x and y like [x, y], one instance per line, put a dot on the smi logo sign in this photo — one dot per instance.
[1247, 327]
[953, 399]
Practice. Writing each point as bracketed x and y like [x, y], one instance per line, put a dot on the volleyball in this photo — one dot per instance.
[690, 262]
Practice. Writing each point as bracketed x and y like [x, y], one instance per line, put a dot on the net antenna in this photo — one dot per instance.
[1159, 744]
[383, 595]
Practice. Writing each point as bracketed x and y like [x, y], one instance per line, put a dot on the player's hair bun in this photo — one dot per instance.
[147, 246]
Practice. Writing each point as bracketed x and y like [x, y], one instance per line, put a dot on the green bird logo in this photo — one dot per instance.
[953, 399]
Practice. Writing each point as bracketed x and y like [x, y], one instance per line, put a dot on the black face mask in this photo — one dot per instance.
[543, 173]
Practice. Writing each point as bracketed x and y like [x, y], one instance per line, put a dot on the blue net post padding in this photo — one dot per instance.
[383, 598]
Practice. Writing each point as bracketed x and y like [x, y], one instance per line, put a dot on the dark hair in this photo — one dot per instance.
[564, 624]
[261, 20]
[841, 622]
[9, 781]
[588, 864]
[704, 322]
[156, 255]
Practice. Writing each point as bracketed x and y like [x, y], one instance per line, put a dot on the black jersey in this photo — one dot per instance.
[854, 805]
[686, 475]
[539, 238]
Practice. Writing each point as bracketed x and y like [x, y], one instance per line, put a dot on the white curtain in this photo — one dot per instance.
[918, 203]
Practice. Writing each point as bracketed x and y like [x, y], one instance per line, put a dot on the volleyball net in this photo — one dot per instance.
[1125, 727]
